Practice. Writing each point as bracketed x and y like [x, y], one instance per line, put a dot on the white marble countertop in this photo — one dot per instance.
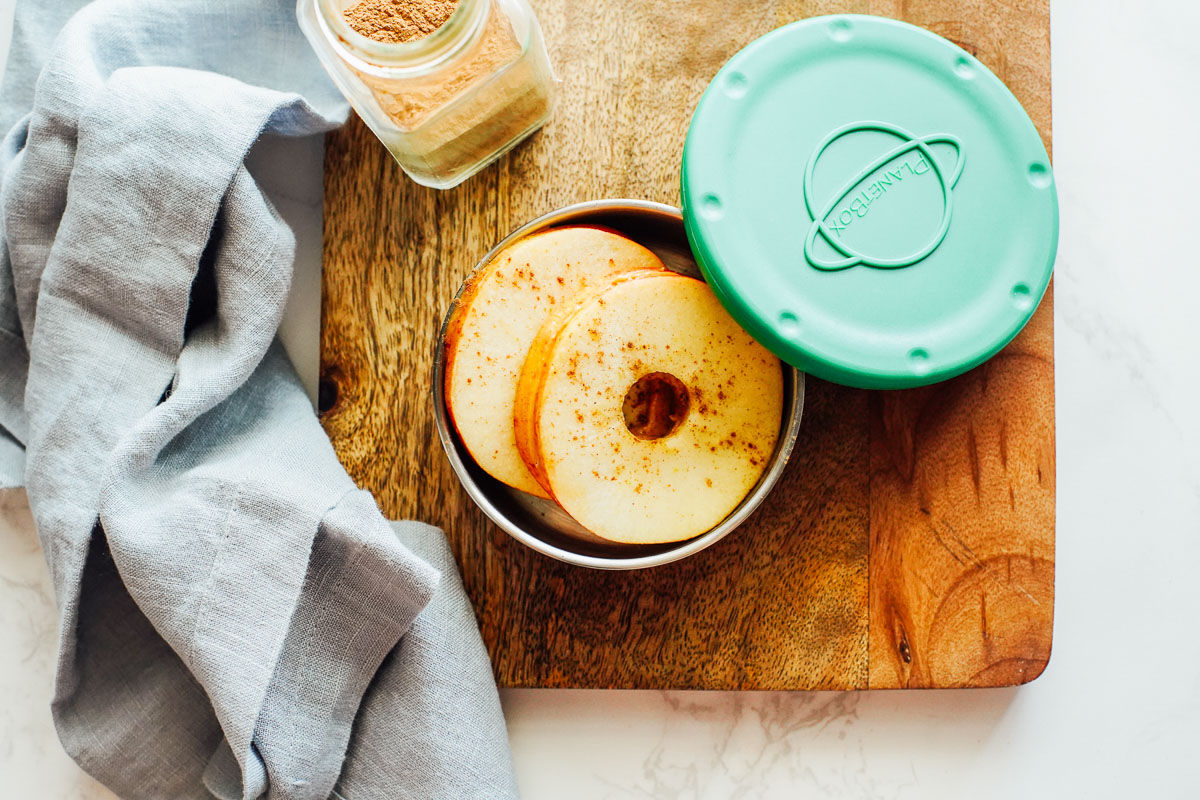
[1116, 714]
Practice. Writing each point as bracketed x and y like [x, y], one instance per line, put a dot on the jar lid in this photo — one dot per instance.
[869, 201]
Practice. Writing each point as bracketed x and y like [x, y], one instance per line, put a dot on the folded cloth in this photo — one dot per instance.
[227, 597]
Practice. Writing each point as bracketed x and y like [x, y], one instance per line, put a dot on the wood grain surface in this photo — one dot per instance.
[911, 540]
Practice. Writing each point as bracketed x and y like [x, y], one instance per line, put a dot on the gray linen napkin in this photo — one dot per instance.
[230, 603]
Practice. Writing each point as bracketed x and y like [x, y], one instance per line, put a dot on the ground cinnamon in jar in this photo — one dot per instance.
[447, 85]
[415, 101]
[396, 21]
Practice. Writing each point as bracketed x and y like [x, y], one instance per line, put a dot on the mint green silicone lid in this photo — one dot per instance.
[869, 201]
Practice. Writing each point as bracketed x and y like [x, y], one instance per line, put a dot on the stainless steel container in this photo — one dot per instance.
[541, 524]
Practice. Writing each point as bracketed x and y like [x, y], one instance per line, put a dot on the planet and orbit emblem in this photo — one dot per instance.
[887, 209]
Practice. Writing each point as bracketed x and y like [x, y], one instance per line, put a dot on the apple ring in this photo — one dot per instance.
[496, 319]
[646, 412]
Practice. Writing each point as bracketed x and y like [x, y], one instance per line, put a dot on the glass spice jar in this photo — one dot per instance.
[447, 104]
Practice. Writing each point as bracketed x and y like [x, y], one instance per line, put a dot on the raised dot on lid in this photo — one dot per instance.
[1022, 297]
[711, 208]
[918, 359]
[963, 68]
[839, 30]
[1039, 175]
[736, 85]
[789, 324]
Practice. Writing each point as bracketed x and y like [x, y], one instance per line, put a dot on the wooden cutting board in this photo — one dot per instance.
[910, 542]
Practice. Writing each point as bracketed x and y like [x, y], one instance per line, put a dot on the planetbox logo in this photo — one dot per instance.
[879, 196]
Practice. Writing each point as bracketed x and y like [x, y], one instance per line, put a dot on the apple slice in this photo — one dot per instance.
[646, 411]
[495, 322]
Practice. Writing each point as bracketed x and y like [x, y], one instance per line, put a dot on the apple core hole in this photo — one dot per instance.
[655, 405]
